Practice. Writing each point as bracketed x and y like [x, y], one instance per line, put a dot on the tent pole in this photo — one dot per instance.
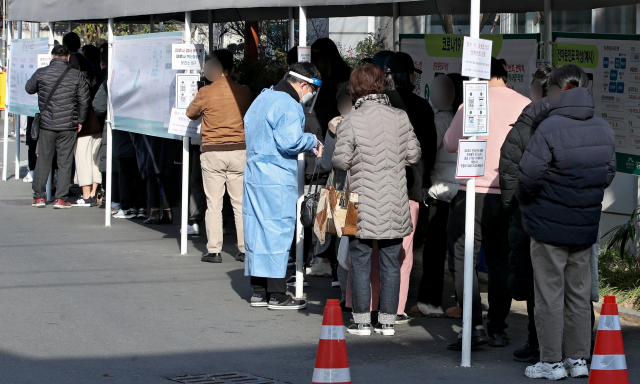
[185, 161]
[210, 22]
[396, 27]
[292, 29]
[109, 126]
[152, 24]
[17, 119]
[69, 29]
[469, 228]
[548, 32]
[5, 143]
[302, 42]
[637, 19]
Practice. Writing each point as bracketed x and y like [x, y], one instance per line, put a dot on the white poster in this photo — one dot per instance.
[304, 54]
[612, 63]
[476, 108]
[441, 54]
[23, 62]
[181, 125]
[44, 60]
[187, 56]
[476, 58]
[142, 83]
[471, 159]
[186, 86]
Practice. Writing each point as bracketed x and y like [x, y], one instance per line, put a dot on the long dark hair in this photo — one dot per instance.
[340, 71]
[400, 81]
[569, 76]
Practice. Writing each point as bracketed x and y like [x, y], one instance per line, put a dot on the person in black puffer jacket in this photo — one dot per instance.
[60, 122]
[400, 73]
[521, 272]
[568, 163]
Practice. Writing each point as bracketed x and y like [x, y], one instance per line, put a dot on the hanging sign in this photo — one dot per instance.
[186, 86]
[472, 155]
[181, 125]
[476, 58]
[44, 60]
[476, 108]
[187, 56]
[304, 54]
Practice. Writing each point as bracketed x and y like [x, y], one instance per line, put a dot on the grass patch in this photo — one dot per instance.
[620, 277]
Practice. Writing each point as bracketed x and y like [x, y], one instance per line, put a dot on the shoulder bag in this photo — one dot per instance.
[310, 202]
[35, 126]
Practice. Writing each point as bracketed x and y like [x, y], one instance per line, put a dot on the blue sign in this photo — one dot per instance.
[612, 87]
[613, 75]
[620, 87]
[605, 62]
[617, 62]
[623, 63]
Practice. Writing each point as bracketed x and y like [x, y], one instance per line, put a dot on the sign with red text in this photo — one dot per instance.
[472, 155]
[187, 56]
[476, 58]
[44, 60]
[476, 108]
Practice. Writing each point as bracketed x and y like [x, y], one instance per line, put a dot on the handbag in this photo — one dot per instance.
[310, 203]
[344, 211]
[35, 126]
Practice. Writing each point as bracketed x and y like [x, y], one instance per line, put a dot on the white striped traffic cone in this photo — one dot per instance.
[332, 363]
[609, 365]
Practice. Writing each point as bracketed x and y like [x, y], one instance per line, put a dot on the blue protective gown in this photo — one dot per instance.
[274, 134]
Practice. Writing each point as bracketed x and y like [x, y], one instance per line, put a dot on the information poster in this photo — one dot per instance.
[612, 63]
[44, 60]
[142, 83]
[181, 125]
[476, 58]
[187, 56]
[472, 155]
[476, 108]
[23, 62]
[441, 54]
[186, 86]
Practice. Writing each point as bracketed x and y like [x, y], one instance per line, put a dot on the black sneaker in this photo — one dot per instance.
[212, 258]
[403, 319]
[291, 263]
[93, 201]
[360, 329]
[240, 257]
[385, 329]
[498, 339]
[478, 338]
[288, 304]
[258, 300]
[528, 354]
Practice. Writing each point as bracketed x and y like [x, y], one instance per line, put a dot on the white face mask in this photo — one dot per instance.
[307, 97]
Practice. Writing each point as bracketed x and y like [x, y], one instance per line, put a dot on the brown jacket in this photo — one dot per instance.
[222, 106]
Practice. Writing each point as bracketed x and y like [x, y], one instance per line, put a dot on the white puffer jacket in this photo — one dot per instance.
[444, 185]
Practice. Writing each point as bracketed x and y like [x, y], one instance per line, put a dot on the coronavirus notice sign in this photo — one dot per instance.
[471, 159]
[187, 56]
[476, 58]
[476, 108]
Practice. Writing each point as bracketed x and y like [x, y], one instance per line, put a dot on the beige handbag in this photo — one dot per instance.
[344, 211]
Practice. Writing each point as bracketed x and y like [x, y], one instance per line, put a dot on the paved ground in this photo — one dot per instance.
[81, 303]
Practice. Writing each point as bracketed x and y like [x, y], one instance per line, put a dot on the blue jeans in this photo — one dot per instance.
[360, 253]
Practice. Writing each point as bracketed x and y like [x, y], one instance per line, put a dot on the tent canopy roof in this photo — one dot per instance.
[255, 10]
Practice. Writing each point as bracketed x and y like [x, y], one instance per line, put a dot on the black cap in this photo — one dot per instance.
[400, 62]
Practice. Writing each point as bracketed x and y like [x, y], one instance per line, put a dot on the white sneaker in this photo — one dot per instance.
[193, 229]
[319, 268]
[128, 214]
[82, 203]
[550, 371]
[576, 368]
[29, 177]
[429, 310]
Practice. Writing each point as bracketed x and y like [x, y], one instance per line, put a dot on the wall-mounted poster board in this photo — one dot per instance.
[23, 62]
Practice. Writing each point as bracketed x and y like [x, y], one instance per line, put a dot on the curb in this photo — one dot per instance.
[630, 315]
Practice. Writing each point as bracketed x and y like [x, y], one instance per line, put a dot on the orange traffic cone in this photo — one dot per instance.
[609, 364]
[332, 363]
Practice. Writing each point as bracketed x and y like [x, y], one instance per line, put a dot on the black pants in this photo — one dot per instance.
[133, 190]
[197, 197]
[51, 142]
[533, 334]
[153, 191]
[491, 230]
[435, 254]
[270, 287]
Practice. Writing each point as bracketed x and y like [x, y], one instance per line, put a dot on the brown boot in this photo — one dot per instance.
[454, 312]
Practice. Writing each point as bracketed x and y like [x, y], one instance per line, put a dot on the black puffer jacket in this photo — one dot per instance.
[69, 106]
[569, 162]
[520, 268]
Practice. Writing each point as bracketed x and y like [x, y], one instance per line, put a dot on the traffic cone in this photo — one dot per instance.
[609, 364]
[332, 363]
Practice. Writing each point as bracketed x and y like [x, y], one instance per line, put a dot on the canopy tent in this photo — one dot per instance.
[234, 10]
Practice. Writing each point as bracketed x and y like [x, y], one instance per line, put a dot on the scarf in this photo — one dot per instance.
[376, 97]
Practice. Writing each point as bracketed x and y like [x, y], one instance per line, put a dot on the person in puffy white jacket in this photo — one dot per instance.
[446, 97]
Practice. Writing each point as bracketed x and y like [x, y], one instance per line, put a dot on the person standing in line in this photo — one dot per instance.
[521, 271]
[446, 97]
[274, 138]
[491, 221]
[401, 76]
[31, 152]
[568, 163]
[61, 120]
[376, 142]
[222, 106]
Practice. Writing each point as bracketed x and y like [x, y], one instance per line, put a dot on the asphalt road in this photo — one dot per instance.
[82, 303]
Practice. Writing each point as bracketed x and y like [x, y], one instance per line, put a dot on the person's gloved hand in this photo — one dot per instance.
[315, 149]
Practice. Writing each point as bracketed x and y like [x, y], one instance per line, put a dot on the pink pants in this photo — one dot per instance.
[406, 263]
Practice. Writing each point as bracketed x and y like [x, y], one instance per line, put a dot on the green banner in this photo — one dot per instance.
[451, 45]
[585, 56]
[628, 163]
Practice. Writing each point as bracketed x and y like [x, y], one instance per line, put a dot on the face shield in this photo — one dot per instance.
[309, 99]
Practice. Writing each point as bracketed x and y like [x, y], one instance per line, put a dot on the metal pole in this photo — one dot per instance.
[469, 229]
[396, 27]
[5, 143]
[152, 24]
[17, 119]
[302, 41]
[548, 32]
[184, 213]
[292, 29]
[637, 19]
[109, 126]
[69, 29]
[4, 32]
[210, 22]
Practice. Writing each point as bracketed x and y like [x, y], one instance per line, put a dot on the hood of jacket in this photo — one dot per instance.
[286, 87]
[576, 104]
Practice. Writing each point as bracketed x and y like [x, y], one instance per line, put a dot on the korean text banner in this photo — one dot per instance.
[23, 62]
[142, 83]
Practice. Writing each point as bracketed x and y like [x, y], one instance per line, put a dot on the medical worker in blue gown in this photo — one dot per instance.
[274, 134]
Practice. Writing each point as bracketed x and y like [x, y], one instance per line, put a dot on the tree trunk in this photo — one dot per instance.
[447, 21]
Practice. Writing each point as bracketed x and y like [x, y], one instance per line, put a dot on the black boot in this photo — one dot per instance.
[167, 216]
[154, 217]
